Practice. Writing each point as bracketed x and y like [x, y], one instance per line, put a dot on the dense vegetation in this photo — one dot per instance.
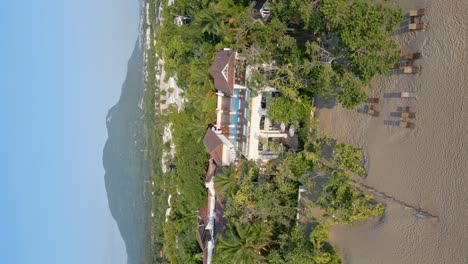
[262, 205]
[306, 48]
[126, 171]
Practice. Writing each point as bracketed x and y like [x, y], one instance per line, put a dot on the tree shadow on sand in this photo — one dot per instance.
[328, 103]
[327, 149]
[403, 26]
[363, 110]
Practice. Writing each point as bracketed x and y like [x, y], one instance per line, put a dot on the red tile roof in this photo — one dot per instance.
[220, 221]
[214, 146]
[223, 58]
[202, 222]
[211, 171]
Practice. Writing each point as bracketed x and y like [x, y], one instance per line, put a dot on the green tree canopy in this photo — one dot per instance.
[226, 182]
[284, 110]
[351, 91]
[243, 244]
[364, 30]
[344, 202]
[347, 157]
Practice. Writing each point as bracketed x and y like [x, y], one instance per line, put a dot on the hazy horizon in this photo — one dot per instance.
[63, 66]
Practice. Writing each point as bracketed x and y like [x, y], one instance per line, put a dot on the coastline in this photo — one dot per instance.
[394, 160]
[425, 167]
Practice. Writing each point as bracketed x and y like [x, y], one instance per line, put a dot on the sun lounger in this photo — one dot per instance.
[407, 95]
[408, 115]
[406, 124]
[373, 100]
[406, 63]
[403, 109]
[412, 56]
[371, 111]
[417, 26]
[417, 12]
[411, 69]
[400, 64]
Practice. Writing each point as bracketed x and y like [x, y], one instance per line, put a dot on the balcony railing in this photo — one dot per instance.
[240, 72]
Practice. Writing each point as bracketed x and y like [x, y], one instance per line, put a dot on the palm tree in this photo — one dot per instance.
[226, 182]
[211, 22]
[221, 21]
[203, 101]
[245, 244]
[200, 75]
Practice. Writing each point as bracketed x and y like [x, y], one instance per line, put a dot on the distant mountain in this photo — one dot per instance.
[125, 168]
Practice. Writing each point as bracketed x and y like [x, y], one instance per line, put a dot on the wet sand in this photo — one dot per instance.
[426, 167]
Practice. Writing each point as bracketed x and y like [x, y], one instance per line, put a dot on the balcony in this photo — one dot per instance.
[239, 76]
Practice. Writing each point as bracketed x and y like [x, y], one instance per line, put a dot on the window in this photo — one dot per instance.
[226, 72]
[264, 101]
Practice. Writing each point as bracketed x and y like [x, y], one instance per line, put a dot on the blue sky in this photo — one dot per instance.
[63, 63]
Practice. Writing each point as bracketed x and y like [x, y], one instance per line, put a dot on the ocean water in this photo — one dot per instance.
[426, 167]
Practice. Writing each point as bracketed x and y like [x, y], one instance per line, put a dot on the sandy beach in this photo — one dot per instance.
[426, 167]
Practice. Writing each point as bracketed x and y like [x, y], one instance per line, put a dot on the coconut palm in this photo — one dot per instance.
[211, 22]
[226, 182]
[244, 244]
[199, 75]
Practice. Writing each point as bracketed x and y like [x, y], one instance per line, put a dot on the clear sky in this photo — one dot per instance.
[63, 63]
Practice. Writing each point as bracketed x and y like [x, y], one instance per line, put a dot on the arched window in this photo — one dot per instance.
[262, 122]
[264, 101]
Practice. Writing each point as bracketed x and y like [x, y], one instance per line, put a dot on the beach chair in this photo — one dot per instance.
[372, 111]
[408, 115]
[400, 64]
[411, 69]
[403, 109]
[406, 124]
[417, 12]
[407, 63]
[412, 56]
[407, 95]
[373, 100]
[395, 66]
[417, 26]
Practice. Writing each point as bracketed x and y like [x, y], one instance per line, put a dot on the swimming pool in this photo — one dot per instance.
[235, 118]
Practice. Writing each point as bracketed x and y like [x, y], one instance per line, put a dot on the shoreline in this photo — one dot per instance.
[383, 146]
[425, 167]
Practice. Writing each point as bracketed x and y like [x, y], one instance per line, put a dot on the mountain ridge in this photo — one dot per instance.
[124, 165]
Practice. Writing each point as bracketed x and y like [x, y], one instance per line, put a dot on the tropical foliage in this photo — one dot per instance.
[348, 158]
[243, 244]
[364, 30]
[226, 183]
[282, 110]
[344, 202]
[305, 49]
